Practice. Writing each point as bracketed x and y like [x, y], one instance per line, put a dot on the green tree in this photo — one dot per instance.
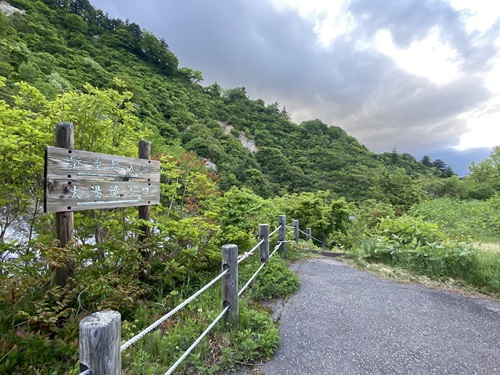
[319, 211]
[426, 160]
[23, 135]
[240, 212]
[483, 180]
[396, 187]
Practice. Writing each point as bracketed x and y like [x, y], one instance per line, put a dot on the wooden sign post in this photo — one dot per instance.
[64, 220]
[80, 180]
[145, 214]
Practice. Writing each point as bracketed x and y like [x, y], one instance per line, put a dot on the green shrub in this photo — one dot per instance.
[417, 245]
[474, 219]
[256, 338]
[275, 280]
[422, 248]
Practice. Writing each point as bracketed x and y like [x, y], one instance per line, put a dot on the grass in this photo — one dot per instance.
[480, 276]
[495, 247]
[301, 251]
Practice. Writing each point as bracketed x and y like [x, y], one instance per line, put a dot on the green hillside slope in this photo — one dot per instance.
[60, 45]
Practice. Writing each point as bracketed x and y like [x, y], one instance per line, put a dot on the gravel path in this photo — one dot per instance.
[346, 321]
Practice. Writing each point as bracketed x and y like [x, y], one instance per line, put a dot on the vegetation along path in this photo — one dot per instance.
[346, 321]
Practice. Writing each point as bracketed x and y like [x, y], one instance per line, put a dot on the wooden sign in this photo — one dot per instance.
[80, 180]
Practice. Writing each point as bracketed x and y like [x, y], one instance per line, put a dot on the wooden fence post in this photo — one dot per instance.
[295, 224]
[308, 234]
[264, 246]
[100, 335]
[65, 138]
[145, 214]
[282, 232]
[230, 284]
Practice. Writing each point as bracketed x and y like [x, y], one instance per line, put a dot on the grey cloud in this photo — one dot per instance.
[407, 20]
[275, 55]
[413, 114]
[412, 20]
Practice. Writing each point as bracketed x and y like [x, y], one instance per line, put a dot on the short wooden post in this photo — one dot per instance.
[295, 224]
[230, 284]
[264, 246]
[308, 234]
[100, 335]
[145, 214]
[282, 232]
[64, 220]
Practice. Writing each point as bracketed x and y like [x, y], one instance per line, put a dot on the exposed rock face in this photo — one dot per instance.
[9, 9]
[248, 143]
[227, 128]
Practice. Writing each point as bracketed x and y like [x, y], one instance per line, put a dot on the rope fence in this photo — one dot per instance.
[314, 238]
[249, 253]
[258, 270]
[105, 352]
[143, 333]
[309, 235]
[197, 341]
[273, 232]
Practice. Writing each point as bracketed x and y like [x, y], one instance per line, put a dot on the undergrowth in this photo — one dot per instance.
[421, 247]
[40, 322]
[255, 339]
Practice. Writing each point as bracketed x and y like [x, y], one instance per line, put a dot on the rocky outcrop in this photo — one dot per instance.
[9, 9]
[246, 142]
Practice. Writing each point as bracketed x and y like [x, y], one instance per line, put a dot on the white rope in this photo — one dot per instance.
[251, 279]
[258, 270]
[314, 238]
[276, 248]
[247, 254]
[186, 353]
[86, 372]
[140, 335]
[277, 229]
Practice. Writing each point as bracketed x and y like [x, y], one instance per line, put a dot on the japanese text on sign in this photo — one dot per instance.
[79, 180]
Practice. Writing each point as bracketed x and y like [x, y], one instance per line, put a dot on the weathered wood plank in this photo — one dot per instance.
[230, 284]
[264, 246]
[295, 224]
[282, 232]
[80, 180]
[77, 195]
[84, 165]
[100, 335]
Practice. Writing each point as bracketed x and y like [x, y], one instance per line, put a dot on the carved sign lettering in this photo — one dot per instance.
[81, 180]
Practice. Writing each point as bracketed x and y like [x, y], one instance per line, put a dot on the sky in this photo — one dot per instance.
[420, 76]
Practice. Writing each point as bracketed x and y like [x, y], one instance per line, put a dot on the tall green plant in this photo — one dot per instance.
[320, 211]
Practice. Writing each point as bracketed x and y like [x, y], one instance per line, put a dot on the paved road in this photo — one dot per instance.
[346, 321]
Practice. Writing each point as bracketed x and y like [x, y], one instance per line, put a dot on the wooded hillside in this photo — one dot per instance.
[60, 46]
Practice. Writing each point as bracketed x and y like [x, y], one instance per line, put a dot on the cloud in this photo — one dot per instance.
[276, 50]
